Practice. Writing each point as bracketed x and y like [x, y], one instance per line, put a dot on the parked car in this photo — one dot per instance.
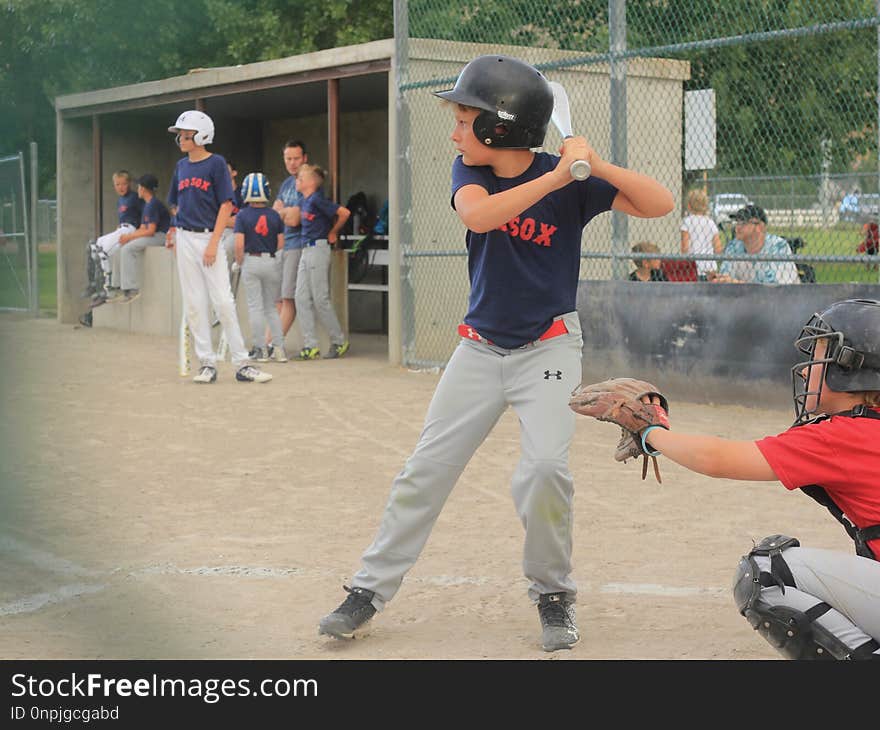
[859, 207]
[725, 204]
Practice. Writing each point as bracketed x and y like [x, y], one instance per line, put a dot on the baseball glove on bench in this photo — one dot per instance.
[619, 400]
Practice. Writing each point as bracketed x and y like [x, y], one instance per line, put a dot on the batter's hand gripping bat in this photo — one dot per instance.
[561, 118]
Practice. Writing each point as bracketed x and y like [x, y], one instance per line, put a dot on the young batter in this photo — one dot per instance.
[200, 197]
[807, 602]
[521, 338]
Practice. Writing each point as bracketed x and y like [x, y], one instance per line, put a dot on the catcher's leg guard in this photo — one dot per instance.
[794, 633]
[94, 272]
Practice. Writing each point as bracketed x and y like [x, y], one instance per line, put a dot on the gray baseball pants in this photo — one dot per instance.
[262, 284]
[128, 265]
[478, 385]
[313, 295]
[847, 582]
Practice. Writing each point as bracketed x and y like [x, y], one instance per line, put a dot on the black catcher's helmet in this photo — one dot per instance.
[851, 363]
[516, 100]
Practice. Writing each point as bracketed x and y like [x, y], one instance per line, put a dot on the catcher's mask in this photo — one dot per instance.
[851, 363]
[515, 98]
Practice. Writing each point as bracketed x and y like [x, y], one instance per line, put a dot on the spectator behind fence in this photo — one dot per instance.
[128, 266]
[751, 237]
[699, 233]
[870, 242]
[647, 269]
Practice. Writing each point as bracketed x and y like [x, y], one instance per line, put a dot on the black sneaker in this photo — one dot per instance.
[557, 622]
[86, 319]
[354, 612]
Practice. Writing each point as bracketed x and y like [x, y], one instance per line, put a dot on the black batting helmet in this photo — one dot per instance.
[851, 363]
[516, 100]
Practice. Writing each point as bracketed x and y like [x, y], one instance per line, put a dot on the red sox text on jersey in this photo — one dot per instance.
[194, 182]
[525, 230]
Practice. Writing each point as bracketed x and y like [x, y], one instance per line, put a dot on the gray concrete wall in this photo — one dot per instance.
[363, 151]
[75, 212]
[158, 309]
[723, 343]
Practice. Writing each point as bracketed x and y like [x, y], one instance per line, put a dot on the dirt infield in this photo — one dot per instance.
[143, 516]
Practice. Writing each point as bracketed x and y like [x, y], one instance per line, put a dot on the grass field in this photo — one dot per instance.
[13, 281]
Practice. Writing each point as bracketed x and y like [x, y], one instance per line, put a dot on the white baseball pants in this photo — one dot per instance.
[203, 287]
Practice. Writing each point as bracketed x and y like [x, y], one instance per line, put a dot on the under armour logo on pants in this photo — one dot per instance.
[548, 375]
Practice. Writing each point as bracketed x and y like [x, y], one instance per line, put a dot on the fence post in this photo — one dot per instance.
[34, 299]
[617, 43]
[399, 191]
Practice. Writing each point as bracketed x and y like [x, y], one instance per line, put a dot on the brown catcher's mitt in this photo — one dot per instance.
[619, 400]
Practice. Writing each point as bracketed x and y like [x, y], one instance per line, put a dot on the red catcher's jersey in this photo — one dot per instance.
[839, 454]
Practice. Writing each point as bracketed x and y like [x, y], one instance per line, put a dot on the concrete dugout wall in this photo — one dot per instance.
[727, 343]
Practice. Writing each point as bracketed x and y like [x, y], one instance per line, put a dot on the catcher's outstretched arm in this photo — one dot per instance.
[712, 456]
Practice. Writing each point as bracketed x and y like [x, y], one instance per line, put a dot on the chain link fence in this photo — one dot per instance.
[752, 102]
[15, 253]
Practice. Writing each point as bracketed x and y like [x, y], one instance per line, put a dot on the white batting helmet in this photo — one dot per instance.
[198, 122]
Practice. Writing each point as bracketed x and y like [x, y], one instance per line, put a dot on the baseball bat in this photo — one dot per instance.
[183, 348]
[561, 118]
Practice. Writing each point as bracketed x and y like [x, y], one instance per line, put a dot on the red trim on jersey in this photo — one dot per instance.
[839, 454]
[554, 330]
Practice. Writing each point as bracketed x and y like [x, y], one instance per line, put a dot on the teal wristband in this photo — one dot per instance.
[647, 449]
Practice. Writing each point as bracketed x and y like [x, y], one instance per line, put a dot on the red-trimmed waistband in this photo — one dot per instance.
[554, 330]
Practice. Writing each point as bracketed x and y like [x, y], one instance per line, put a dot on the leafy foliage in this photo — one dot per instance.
[54, 47]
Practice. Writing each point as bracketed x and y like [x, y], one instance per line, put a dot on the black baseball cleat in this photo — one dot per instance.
[559, 630]
[353, 614]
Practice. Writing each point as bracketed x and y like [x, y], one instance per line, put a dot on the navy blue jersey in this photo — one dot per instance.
[129, 207]
[237, 201]
[261, 227]
[198, 189]
[156, 212]
[290, 196]
[317, 216]
[525, 273]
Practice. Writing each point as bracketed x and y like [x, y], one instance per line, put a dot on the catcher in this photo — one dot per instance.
[807, 603]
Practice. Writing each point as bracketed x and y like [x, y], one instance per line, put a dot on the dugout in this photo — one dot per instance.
[336, 101]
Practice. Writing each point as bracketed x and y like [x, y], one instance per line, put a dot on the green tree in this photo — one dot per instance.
[54, 47]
